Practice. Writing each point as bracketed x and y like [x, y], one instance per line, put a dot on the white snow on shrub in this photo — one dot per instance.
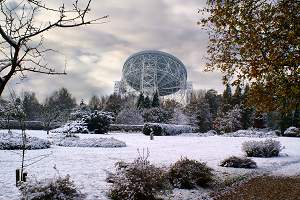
[77, 126]
[58, 188]
[252, 133]
[292, 132]
[89, 142]
[207, 134]
[14, 141]
[166, 129]
[266, 148]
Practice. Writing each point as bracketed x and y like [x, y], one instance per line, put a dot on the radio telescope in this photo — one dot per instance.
[152, 71]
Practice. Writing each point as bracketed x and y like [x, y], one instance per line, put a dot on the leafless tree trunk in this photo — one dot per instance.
[22, 36]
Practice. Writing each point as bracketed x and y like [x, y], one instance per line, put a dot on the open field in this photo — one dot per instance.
[88, 166]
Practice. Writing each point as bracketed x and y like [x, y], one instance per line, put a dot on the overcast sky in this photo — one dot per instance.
[95, 54]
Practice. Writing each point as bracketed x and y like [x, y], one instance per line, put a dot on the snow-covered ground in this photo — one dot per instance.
[87, 166]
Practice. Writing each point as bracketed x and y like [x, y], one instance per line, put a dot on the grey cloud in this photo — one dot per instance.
[96, 53]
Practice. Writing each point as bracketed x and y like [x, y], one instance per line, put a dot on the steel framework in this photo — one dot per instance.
[151, 71]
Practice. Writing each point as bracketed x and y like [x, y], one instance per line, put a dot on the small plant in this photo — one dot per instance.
[292, 132]
[139, 180]
[188, 174]
[267, 148]
[98, 122]
[60, 188]
[238, 162]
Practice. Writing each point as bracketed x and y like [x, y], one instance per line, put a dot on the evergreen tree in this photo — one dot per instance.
[62, 99]
[147, 102]
[155, 100]
[199, 114]
[227, 99]
[237, 96]
[214, 100]
[229, 121]
[247, 112]
[296, 118]
[94, 102]
[140, 101]
[31, 106]
[114, 104]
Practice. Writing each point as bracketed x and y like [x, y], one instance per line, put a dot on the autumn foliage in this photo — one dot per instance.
[257, 42]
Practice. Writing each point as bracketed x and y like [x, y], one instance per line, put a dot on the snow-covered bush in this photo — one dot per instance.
[61, 188]
[166, 129]
[238, 162]
[89, 142]
[157, 115]
[229, 122]
[129, 117]
[179, 117]
[126, 128]
[188, 174]
[292, 132]
[14, 141]
[261, 133]
[98, 122]
[267, 148]
[77, 126]
[139, 180]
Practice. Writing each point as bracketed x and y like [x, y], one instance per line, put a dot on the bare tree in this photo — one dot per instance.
[22, 34]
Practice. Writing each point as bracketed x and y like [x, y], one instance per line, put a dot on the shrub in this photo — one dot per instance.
[292, 132]
[89, 142]
[157, 115]
[188, 174]
[166, 129]
[61, 188]
[78, 126]
[139, 180]
[237, 162]
[126, 128]
[14, 141]
[129, 117]
[267, 148]
[98, 122]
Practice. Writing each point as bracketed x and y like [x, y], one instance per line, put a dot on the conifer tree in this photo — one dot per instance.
[140, 101]
[247, 112]
[213, 99]
[227, 99]
[147, 102]
[155, 100]
[237, 96]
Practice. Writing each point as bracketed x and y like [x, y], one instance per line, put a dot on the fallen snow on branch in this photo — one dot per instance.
[14, 141]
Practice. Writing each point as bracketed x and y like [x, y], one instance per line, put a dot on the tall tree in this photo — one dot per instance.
[214, 101]
[140, 101]
[199, 114]
[94, 102]
[63, 99]
[23, 33]
[155, 100]
[227, 99]
[31, 106]
[147, 102]
[237, 96]
[114, 104]
[257, 42]
[247, 111]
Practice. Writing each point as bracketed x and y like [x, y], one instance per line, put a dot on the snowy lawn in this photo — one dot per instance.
[87, 166]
